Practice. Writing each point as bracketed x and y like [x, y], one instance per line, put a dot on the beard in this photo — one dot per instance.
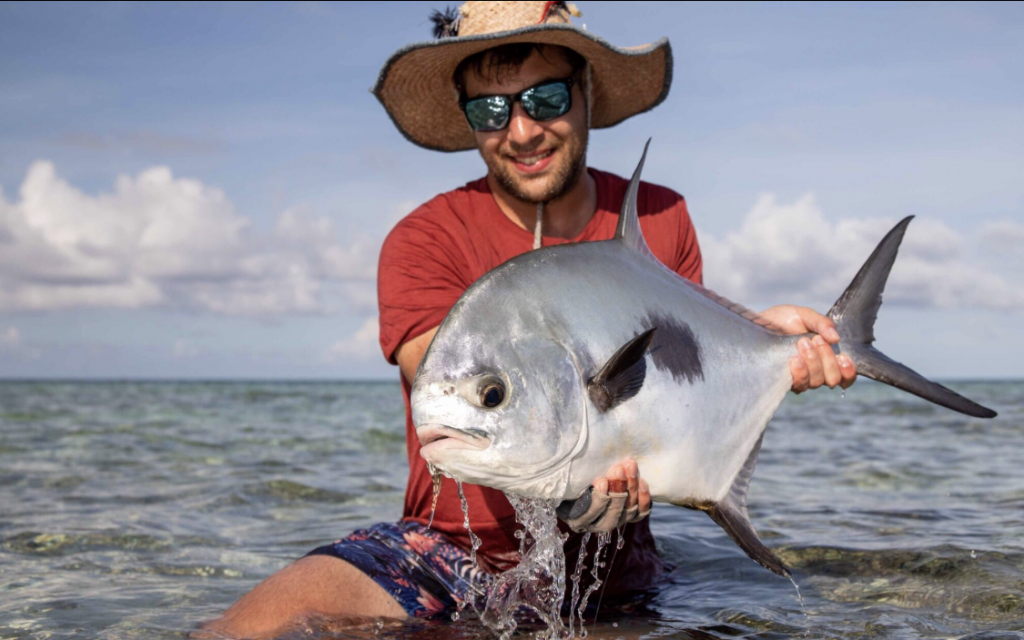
[563, 177]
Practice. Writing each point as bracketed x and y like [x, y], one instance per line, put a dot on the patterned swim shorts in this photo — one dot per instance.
[417, 566]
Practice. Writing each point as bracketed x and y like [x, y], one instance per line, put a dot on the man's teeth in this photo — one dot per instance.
[533, 159]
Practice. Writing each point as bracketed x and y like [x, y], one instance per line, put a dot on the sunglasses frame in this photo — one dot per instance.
[512, 98]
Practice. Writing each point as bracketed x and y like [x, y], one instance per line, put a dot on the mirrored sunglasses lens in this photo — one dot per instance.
[547, 101]
[487, 114]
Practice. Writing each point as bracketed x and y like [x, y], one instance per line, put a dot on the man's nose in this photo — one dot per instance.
[522, 129]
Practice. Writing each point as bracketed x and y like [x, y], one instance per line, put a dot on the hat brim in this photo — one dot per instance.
[417, 87]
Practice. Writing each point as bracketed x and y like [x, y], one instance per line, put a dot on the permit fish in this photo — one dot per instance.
[563, 361]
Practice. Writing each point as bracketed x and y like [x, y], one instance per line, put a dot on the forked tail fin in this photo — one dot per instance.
[854, 314]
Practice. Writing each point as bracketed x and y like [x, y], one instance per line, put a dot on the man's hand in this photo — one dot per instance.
[618, 498]
[816, 364]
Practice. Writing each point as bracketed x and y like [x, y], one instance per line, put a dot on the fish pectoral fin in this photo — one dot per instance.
[623, 375]
[731, 515]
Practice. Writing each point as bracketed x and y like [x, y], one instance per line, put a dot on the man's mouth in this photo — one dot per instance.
[533, 162]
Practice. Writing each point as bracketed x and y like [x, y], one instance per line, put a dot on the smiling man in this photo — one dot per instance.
[522, 85]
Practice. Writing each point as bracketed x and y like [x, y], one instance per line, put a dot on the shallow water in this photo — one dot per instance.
[138, 510]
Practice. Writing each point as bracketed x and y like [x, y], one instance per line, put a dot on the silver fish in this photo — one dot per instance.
[565, 360]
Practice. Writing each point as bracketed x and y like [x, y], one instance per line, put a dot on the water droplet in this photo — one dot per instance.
[473, 540]
[435, 477]
[799, 597]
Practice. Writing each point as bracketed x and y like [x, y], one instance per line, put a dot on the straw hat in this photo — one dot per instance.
[417, 86]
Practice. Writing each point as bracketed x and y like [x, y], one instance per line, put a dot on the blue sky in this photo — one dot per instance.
[200, 190]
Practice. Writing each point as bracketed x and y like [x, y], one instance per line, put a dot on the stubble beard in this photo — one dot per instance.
[563, 180]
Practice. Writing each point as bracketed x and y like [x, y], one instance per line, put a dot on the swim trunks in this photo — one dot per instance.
[420, 568]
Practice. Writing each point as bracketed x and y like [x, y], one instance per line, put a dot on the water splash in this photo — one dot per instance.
[473, 539]
[620, 541]
[538, 581]
[435, 477]
[603, 539]
[576, 575]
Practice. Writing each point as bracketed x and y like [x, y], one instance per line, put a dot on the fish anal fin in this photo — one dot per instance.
[731, 514]
[623, 375]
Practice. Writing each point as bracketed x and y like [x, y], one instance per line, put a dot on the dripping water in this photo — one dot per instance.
[435, 477]
[576, 575]
[620, 541]
[603, 538]
[799, 597]
[538, 581]
[473, 539]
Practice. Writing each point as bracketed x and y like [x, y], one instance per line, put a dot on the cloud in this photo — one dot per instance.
[793, 253]
[161, 241]
[184, 349]
[361, 345]
[10, 338]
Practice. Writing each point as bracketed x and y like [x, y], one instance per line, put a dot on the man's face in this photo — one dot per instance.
[534, 161]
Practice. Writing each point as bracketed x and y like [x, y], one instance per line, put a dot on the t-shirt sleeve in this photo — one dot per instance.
[689, 263]
[419, 276]
[672, 231]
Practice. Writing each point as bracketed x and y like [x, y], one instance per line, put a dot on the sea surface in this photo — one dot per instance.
[141, 509]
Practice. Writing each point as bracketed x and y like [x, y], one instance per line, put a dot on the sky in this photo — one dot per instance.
[201, 190]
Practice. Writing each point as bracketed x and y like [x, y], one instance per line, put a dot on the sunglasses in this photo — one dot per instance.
[542, 102]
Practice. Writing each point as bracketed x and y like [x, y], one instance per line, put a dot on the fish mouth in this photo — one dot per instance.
[437, 437]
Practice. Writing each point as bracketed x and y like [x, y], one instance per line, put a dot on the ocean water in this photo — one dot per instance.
[141, 509]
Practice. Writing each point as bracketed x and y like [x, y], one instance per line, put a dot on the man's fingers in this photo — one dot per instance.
[801, 377]
[816, 375]
[632, 483]
[848, 370]
[829, 365]
[644, 500]
[819, 324]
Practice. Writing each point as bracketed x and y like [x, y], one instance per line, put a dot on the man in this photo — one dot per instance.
[516, 81]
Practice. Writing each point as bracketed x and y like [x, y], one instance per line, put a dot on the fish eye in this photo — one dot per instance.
[492, 393]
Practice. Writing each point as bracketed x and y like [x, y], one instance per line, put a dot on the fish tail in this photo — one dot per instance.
[854, 314]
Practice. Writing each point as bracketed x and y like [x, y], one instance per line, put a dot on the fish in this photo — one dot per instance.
[565, 360]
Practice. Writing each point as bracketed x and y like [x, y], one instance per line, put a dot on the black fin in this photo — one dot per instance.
[628, 230]
[446, 25]
[854, 314]
[622, 376]
[731, 515]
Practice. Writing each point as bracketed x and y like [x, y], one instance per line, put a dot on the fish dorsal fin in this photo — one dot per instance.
[630, 234]
[628, 230]
[622, 376]
[736, 308]
[731, 515]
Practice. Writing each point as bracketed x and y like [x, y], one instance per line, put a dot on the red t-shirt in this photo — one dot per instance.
[428, 260]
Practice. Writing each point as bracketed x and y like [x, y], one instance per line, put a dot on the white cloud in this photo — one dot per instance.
[361, 345]
[158, 240]
[184, 349]
[793, 253]
[10, 338]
